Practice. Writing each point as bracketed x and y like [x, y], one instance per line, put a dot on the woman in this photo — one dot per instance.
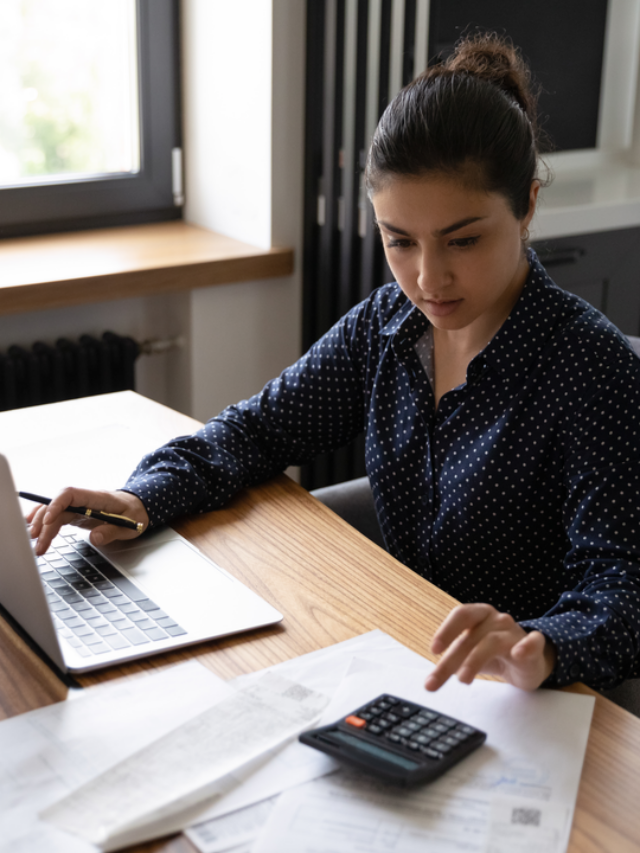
[501, 414]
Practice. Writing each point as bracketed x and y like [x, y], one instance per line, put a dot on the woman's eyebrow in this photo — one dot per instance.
[389, 227]
[442, 232]
[469, 219]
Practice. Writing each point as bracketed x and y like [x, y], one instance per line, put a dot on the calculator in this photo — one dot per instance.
[398, 740]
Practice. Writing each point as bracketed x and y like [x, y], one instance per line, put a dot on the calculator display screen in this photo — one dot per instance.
[372, 749]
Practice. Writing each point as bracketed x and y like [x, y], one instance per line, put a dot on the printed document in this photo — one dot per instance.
[150, 793]
[516, 793]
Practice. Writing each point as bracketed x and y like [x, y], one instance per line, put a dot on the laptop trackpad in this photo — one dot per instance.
[192, 589]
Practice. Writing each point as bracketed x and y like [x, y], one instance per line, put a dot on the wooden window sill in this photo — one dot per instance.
[60, 270]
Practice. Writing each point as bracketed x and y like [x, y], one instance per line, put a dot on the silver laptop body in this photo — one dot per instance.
[84, 617]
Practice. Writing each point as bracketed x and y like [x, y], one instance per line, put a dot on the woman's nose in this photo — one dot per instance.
[432, 275]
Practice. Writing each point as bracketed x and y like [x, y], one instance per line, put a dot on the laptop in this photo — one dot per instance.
[89, 608]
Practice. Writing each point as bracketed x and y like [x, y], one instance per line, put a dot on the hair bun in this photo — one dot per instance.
[494, 58]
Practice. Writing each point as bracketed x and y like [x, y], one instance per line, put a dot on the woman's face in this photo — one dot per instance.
[456, 252]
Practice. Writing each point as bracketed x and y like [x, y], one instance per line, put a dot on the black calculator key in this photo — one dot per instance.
[431, 753]
[375, 729]
[458, 735]
[366, 715]
[429, 732]
[420, 738]
[393, 718]
[406, 710]
[425, 717]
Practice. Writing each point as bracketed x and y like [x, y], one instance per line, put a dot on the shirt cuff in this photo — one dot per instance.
[579, 657]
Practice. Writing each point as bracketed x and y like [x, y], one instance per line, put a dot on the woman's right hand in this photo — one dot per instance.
[46, 521]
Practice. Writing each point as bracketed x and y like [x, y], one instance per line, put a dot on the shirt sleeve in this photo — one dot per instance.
[595, 626]
[314, 406]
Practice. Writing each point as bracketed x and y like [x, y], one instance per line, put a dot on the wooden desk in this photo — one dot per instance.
[331, 584]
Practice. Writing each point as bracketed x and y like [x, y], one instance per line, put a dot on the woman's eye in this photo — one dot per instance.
[399, 244]
[464, 242]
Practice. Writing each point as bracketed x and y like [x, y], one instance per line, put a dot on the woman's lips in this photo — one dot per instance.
[442, 309]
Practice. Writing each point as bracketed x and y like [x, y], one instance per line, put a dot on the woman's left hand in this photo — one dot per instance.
[477, 638]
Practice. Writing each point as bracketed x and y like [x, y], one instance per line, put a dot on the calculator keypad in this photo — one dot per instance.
[413, 727]
[400, 741]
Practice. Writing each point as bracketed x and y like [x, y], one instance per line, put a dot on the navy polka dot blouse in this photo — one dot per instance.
[522, 489]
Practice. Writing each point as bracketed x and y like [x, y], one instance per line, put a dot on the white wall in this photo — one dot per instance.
[244, 121]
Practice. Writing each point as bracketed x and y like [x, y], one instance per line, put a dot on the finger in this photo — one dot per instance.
[465, 617]
[120, 503]
[469, 653]
[46, 533]
[103, 534]
[518, 659]
[451, 661]
[34, 519]
[529, 647]
[533, 660]
[70, 496]
[490, 655]
[30, 515]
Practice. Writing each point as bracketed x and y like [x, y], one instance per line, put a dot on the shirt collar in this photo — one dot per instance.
[525, 333]
[521, 338]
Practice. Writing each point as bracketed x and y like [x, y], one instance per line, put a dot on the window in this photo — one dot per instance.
[89, 114]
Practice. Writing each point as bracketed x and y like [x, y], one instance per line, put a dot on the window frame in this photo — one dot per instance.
[120, 199]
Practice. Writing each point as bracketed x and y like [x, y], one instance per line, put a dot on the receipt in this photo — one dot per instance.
[162, 787]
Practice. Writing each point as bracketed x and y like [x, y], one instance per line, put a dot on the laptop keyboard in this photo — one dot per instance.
[95, 608]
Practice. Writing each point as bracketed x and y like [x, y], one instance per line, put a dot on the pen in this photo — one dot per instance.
[109, 517]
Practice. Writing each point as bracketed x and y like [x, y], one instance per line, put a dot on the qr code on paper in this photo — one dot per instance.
[526, 817]
[297, 692]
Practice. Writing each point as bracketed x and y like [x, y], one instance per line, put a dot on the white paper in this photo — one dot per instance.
[533, 754]
[155, 790]
[49, 752]
[350, 813]
[294, 764]
[233, 829]
[521, 826]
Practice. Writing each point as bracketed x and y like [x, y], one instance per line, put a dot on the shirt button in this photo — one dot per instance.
[574, 670]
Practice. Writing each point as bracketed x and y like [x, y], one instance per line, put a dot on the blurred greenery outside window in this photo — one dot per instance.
[88, 113]
[70, 99]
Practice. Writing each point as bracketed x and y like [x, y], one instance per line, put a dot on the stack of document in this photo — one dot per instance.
[131, 761]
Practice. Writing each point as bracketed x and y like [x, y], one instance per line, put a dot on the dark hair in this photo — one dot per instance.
[473, 116]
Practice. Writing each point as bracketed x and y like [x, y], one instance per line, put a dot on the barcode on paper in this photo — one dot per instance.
[526, 817]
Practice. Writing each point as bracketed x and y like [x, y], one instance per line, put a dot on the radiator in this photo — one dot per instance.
[68, 369]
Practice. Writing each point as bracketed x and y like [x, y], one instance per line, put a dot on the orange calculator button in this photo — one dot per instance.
[355, 721]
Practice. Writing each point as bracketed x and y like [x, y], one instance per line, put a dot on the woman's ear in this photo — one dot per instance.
[533, 200]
